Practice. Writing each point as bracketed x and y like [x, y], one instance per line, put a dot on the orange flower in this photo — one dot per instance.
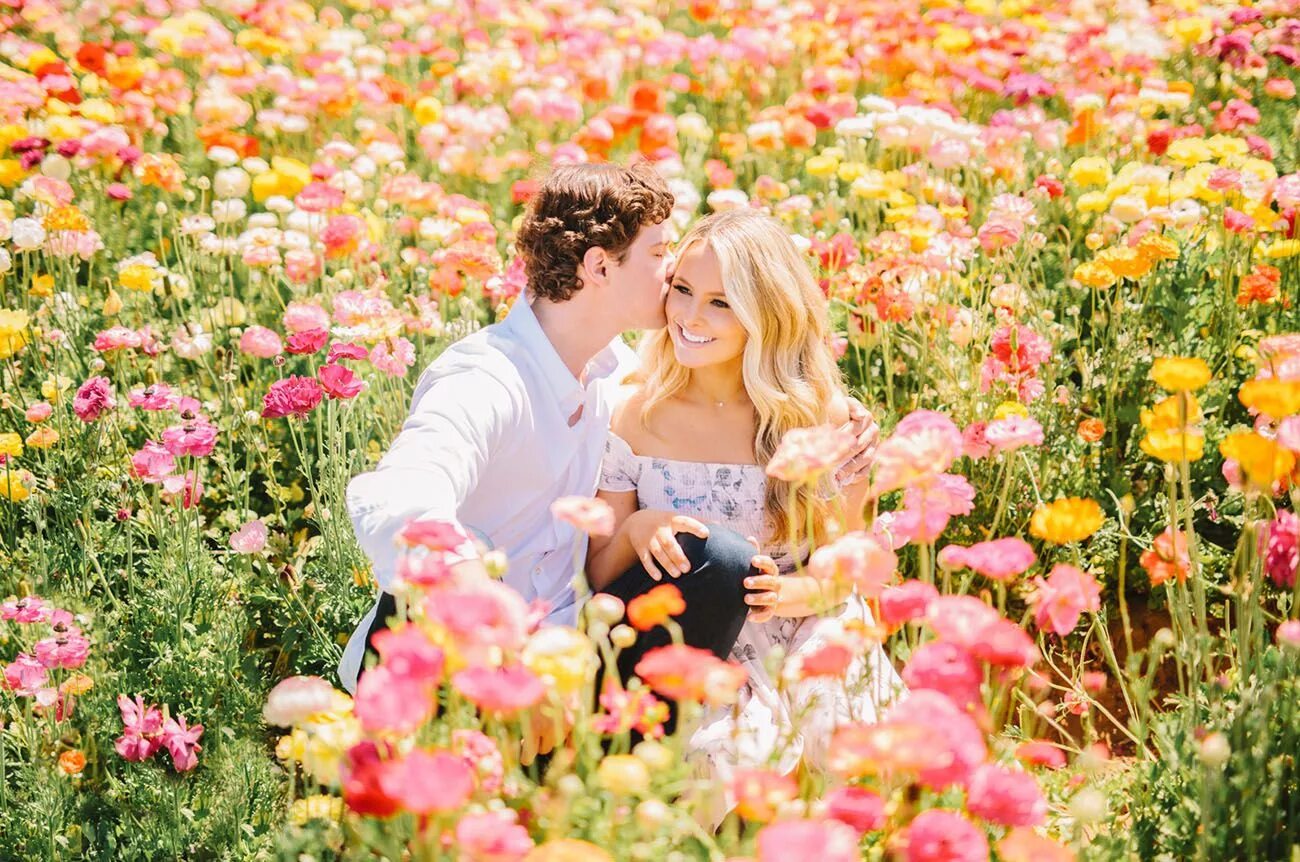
[72, 762]
[646, 97]
[1092, 430]
[1167, 560]
[655, 607]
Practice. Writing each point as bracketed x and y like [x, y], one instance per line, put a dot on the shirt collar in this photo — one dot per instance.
[567, 391]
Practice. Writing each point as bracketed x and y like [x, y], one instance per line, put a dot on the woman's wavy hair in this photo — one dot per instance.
[789, 370]
[583, 206]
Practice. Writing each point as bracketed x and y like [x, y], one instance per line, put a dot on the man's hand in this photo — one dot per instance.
[548, 725]
[862, 425]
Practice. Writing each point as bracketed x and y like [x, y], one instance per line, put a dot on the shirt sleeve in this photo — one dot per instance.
[459, 418]
[619, 470]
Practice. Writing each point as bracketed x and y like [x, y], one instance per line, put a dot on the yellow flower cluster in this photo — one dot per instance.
[1173, 431]
[13, 332]
[1069, 519]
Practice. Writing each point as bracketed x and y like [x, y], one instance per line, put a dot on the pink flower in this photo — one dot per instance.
[317, 197]
[393, 357]
[116, 338]
[341, 235]
[93, 399]
[929, 505]
[433, 535]
[408, 654]
[386, 701]
[974, 441]
[480, 752]
[153, 463]
[588, 514]
[67, 649]
[346, 350]
[30, 609]
[923, 445]
[1288, 634]
[948, 669]
[428, 782]
[1279, 545]
[1039, 753]
[1002, 559]
[1014, 432]
[143, 727]
[502, 690]
[304, 316]
[38, 412]
[804, 454]
[187, 487]
[25, 674]
[482, 617]
[301, 265]
[260, 342]
[1005, 797]
[492, 836]
[307, 341]
[998, 233]
[925, 736]
[905, 602]
[858, 559]
[960, 619]
[823, 840]
[250, 538]
[196, 438]
[1062, 597]
[339, 382]
[1002, 643]
[182, 742]
[295, 699]
[936, 835]
[157, 396]
[292, 396]
[860, 808]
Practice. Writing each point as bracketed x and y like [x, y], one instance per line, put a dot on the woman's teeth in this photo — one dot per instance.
[692, 339]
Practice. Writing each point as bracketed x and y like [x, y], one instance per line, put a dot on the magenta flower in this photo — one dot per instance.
[64, 650]
[346, 350]
[1002, 559]
[908, 601]
[182, 742]
[428, 782]
[153, 463]
[293, 396]
[93, 399]
[143, 727]
[492, 836]
[409, 654]
[340, 382]
[307, 341]
[197, 438]
[862, 809]
[1059, 600]
[1279, 545]
[387, 701]
[157, 396]
[500, 690]
[824, 840]
[1006, 797]
[25, 675]
[29, 609]
[948, 669]
[936, 835]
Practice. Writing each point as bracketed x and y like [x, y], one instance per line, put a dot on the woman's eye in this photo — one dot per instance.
[719, 303]
[681, 288]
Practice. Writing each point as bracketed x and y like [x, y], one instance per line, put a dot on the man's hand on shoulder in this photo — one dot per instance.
[866, 431]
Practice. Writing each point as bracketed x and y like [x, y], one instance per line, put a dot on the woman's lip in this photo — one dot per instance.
[681, 336]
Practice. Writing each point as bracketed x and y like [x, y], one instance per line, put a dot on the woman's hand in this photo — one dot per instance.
[780, 595]
[652, 534]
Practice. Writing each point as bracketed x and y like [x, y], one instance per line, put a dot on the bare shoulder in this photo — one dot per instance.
[626, 418]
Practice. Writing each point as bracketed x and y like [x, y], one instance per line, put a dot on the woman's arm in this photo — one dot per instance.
[609, 556]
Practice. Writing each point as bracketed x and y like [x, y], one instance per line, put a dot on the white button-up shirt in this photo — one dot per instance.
[488, 445]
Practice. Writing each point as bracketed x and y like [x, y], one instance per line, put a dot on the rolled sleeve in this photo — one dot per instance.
[459, 419]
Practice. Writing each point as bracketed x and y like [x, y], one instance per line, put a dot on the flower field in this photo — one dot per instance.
[1060, 241]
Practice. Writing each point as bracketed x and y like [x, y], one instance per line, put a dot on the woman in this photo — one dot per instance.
[745, 358]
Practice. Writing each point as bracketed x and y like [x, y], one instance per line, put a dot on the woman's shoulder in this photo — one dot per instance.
[625, 421]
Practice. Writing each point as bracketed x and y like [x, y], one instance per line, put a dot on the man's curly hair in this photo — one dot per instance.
[578, 207]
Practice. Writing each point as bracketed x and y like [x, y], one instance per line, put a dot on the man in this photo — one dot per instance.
[515, 416]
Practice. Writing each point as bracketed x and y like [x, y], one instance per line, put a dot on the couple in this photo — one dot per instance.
[537, 407]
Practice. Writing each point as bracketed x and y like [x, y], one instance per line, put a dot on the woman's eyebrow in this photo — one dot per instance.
[677, 279]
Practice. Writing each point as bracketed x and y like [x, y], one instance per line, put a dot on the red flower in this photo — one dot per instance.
[362, 788]
[339, 382]
[308, 341]
[292, 396]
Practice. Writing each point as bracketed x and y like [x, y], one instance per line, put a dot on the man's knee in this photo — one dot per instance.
[725, 555]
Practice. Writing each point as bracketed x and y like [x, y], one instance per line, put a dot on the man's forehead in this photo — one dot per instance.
[652, 234]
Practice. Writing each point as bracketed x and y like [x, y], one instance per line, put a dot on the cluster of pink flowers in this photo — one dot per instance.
[65, 647]
[193, 436]
[1015, 355]
[916, 457]
[145, 731]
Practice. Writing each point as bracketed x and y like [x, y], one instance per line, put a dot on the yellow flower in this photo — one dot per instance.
[562, 657]
[1157, 247]
[77, 684]
[1180, 374]
[11, 444]
[53, 387]
[292, 746]
[427, 110]
[1189, 152]
[1276, 398]
[11, 172]
[1094, 274]
[318, 807]
[65, 218]
[1263, 461]
[821, 166]
[1191, 30]
[1282, 248]
[1093, 202]
[850, 171]
[1124, 261]
[43, 437]
[1090, 171]
[1175, 446]
[623, 775]
[1069, 519]
[1010, 408]
[12, 487]
[13, 332]
[138, 277]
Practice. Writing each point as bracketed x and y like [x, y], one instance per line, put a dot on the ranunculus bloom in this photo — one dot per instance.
[292, 396]
[93, 399]
[1039, 753]
[1002, 559]
[592, 516]
[152, 463]
[182, 742]
[386, 701]
[295, 699]
[1168, 558]
[197, 438]
[143, 728]
[29, 609]
[936, 835]
[858, 559]
[409, 654]
[759, 793]
[260, 342]
[923, 445]
[362, 773]
[25, 674]
[804, 454]
[250, 538]
[946, 668]
[1062, 597]
[307, 341]
[304, 316]
[1279, 545]
[1288, 634]
[339, 382]
[681, 672]
[67, 649]
[428, 782]
[860, 808]
[502, 690]
[1005, 797]
[1014, 432]
[905, 602]
[491, 836]
[924, 735]
[823, 840]
[655, 607]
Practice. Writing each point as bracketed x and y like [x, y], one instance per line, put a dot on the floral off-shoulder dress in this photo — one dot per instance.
[774, 723]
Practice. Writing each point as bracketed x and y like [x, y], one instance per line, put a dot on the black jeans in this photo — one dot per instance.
[714, 592]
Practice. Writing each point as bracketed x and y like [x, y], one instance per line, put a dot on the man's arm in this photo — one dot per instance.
[456, 424]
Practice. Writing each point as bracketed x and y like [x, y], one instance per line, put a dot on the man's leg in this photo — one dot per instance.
[714, 592]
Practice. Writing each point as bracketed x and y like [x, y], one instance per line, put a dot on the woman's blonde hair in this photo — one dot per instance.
[789, 372]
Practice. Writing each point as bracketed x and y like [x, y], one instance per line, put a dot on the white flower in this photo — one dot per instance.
[28, 234]
[231, 182]
[720, 200]
[229, 211]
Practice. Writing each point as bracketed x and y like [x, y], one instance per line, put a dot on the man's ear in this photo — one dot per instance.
[595, 264]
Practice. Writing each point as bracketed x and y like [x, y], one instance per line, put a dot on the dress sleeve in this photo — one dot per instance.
[620, 470]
